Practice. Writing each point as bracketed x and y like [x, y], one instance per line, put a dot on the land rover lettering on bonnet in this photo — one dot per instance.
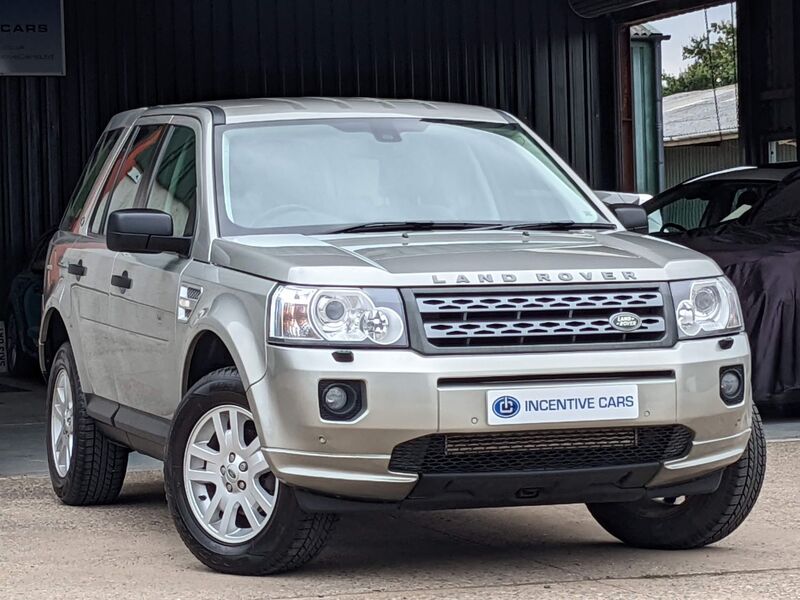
[307, 306]
[538, 277]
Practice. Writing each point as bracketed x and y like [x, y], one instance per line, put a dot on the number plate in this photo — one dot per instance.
[562, 404]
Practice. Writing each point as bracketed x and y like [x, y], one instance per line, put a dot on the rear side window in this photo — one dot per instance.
[129, 173]
[174, 187]
[77, 204]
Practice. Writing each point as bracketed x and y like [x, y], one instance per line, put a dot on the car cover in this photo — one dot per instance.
[763, 262]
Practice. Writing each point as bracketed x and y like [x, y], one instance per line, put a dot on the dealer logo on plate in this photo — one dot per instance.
[625, 321]
[506, 407]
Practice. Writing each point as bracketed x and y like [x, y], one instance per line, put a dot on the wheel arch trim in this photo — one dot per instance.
[230, 322]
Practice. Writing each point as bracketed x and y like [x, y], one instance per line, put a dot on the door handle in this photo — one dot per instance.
[76, 269]
[122, 281]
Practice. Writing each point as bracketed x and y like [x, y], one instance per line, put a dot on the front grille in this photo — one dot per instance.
[537, 318]
[550, 450]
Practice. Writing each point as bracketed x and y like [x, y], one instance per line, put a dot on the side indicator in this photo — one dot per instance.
[187, 301]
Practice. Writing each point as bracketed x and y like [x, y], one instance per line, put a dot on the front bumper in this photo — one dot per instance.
[410, 395]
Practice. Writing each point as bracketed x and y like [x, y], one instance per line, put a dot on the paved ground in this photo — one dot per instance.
[23, 430]
[130, 550]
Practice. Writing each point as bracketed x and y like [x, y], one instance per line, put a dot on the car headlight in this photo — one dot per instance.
[706, 307]
[338, 316]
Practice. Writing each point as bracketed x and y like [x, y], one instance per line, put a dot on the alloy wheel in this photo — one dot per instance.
[62, 422]
[228, 483]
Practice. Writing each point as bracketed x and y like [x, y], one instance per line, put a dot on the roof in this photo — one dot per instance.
[769, 174]
[691, 117]
[260, 109]
[645, 31]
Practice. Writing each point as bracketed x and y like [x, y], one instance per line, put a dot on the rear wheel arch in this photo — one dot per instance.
[54, 334]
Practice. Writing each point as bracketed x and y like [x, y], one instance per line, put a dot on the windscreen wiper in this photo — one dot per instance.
[552, 226]
[408, 226]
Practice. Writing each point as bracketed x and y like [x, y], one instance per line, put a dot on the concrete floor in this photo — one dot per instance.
[23, 429]
[130, 549]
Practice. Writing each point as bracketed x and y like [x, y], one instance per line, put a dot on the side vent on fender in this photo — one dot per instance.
[187, 300]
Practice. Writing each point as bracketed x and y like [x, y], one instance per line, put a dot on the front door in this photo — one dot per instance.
[144, 292]
[90, 291]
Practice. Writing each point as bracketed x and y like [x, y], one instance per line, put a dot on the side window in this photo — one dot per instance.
[128, 174]
[75, 211]
[174, 186]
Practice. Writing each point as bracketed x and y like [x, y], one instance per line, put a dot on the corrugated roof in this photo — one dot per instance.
[693, 115]
[645, 31]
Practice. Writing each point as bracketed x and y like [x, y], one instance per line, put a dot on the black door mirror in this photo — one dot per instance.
[143, 230]
[632, 216]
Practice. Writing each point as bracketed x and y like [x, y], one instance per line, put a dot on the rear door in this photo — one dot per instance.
[83, 261]
[147, 371]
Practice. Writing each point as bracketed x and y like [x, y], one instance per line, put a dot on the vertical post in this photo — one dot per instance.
[796, 90]
[748, 89]
[659, 91]
[626, 175]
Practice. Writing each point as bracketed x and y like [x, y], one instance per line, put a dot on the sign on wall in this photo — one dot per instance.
[31, 37]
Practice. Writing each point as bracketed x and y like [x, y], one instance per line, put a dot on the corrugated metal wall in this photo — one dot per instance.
[684, 162]
[535, 58]
[769, 57]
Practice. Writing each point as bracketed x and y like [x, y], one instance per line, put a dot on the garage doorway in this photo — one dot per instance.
[685, 97]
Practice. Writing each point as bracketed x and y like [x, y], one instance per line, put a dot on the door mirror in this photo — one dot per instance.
[632, 217]
[144, 231]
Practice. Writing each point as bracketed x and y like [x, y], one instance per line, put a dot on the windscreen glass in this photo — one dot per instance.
[320, 175]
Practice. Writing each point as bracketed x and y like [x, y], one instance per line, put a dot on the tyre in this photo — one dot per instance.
[230, 510]
[692, 521]
[85, 466]
[19, 363]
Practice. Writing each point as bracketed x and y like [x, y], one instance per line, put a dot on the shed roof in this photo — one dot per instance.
[645, 31]
[691, 117]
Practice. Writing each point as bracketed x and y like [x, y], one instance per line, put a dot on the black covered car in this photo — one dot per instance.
[748, 221]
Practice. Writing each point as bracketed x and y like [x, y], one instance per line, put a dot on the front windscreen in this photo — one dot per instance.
[322, 175]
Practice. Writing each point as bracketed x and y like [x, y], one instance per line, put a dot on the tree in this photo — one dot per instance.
[714, 61]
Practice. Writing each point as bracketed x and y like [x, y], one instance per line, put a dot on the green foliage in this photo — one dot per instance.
[713, 64]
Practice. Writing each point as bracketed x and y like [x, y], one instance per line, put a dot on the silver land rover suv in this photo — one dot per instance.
[310, 306]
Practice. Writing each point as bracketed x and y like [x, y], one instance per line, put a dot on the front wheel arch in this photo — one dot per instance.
[207, 353]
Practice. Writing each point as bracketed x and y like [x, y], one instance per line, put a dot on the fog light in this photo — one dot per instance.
[335, 398]
[731, 384]
[340, 400]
